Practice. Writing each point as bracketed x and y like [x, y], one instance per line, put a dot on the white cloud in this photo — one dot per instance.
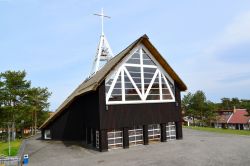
[206, 70]
[237, 32]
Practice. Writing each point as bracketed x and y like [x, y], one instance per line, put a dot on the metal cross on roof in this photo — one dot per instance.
[104, 52]
[102, 17]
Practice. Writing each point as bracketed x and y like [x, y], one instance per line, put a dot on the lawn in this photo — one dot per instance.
[15, 145]
[218, 130]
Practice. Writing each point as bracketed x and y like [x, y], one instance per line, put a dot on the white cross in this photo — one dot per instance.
[102, 16]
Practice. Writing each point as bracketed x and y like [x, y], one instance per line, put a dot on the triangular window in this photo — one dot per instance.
[135, 58]
[154, 91]
[146, 59]
[166, 94]
[116, 94]
[139, 80]
[130, 89]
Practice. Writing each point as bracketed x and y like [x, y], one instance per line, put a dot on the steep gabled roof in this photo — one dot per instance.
[93, 83]
[239, 117]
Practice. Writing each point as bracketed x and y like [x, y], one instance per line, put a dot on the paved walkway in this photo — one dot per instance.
[196, 149]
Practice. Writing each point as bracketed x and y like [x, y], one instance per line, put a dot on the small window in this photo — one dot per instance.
[47, 134]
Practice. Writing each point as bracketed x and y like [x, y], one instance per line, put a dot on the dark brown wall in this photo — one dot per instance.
[72, 123]
[126, 115]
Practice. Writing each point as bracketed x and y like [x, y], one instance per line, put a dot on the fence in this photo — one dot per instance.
[14, 160]
[10, 161]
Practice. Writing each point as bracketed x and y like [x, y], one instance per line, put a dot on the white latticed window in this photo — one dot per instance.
[171, 131]
[115, 139]
[154, 132]
[139, 80]
[136, 135]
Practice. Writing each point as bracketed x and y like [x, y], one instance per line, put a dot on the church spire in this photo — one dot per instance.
[104, 52]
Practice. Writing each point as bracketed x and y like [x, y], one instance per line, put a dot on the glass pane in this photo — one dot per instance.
[139, 132]
[165, 91]
[164, 86]
[111, 141]
[167, 97]
[131, 132]
[109, 82]
[131, 138]
[147, 60]
[140, 137]
[111, 135]
[118, 140]
[132, 97]
[133, 61]
[116, 94]
[135, 58]
[118, 134]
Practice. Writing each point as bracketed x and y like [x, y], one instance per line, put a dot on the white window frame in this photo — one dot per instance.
[135, 142]
[155, 133]
[169, 131]
[46, 132]
[114, 138]
[121, 70]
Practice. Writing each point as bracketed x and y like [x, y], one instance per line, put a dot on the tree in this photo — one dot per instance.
[13, 87]
[186, 106]
[225, 103]
[196, 106]
[37, 100]
[19, 101]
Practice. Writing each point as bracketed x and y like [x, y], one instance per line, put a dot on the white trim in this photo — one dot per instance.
[112, 85]
[169, 135]
[160, 86]
[154, 132]
[230, 117]
[123, 84]
[143, 95]
[138, 102]
[114, 138]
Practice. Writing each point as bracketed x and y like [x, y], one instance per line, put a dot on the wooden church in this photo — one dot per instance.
[133, 99]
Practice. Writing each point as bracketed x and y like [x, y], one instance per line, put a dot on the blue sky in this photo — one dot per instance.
[206, 42]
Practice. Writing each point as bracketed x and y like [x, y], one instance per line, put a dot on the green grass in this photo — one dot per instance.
[15, 145]
[218, 130]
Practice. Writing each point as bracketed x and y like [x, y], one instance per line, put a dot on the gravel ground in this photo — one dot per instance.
[198, 148]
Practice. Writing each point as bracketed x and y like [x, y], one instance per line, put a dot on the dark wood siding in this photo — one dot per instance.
[72, 123]
[127, 115]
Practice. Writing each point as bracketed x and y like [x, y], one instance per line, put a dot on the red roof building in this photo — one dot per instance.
[239, 117]
[233, 119]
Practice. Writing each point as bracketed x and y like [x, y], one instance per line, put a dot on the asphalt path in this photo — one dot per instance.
[197, 148]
